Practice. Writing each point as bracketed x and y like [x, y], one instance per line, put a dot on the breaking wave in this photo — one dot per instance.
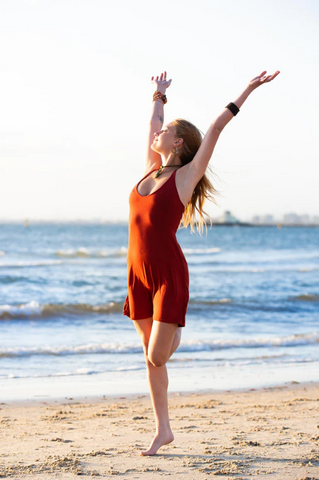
[186, 346]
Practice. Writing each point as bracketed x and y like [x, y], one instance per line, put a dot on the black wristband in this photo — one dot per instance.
[233, 108]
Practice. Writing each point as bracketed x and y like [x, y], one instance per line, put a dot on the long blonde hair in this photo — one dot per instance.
[204, 190]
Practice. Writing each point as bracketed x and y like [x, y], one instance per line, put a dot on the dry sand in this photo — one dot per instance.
[268, 433]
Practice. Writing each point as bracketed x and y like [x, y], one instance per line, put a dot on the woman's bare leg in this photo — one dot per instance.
[158, 380]
[158, 383]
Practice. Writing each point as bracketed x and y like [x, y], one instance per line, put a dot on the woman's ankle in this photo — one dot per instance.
[163, 428]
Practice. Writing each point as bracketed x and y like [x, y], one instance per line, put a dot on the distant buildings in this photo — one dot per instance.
[288, 219]
[263, 220]
[227, 217]
[229, 220]
[295, 219]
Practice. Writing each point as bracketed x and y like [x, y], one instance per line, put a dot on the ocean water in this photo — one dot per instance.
[252, 320]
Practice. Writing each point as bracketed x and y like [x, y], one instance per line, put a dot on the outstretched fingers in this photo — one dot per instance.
[161, 80]
[263, 78]
[269, 78]
[274, 75]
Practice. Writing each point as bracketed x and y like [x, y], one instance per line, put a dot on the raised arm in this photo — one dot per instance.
[198, 165]
[154, 159]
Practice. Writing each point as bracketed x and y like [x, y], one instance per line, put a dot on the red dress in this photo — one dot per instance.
[158, 279]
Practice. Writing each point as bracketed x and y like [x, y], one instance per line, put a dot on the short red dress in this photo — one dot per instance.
[157, 271]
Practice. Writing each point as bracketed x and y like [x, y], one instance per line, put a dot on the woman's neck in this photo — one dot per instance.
[171, 160]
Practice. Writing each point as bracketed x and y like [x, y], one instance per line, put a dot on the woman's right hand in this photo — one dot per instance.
[161, 83]
[261, 79]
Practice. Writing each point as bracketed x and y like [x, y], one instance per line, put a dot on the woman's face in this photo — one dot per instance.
[165, 139]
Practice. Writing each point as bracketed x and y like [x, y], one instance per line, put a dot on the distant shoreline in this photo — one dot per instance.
[123, 222]
[244, 224]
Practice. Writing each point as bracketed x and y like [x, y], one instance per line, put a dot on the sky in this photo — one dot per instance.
[76, 98]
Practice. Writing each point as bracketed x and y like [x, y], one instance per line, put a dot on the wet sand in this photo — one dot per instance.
[270, 433]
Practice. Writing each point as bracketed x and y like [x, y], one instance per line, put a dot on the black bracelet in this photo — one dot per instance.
[233, 108]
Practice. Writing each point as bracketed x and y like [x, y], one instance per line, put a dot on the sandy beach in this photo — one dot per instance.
[269, 433]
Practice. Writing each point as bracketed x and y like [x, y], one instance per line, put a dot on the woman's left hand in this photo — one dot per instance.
[161, 83]
[262, 78]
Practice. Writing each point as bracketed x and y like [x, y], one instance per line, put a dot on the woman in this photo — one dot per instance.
[173, 189]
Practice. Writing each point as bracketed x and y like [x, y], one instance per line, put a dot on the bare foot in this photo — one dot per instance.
[159, 440]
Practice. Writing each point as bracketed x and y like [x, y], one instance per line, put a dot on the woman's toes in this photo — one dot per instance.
[158, 441]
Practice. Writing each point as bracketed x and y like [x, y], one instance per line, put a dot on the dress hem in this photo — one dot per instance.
[162, 321]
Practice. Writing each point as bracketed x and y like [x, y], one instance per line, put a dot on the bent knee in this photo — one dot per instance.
[157, 359]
